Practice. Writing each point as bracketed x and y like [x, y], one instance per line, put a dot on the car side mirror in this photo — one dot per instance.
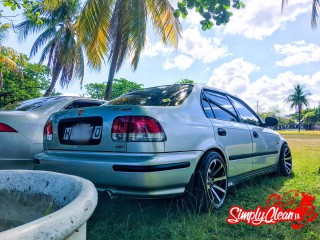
[271, 121]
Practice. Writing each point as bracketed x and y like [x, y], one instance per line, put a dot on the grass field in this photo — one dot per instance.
[168, 219]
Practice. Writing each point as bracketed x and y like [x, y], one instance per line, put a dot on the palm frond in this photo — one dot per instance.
[284, 3]
[41, 40]
[166, 25]
[92, 30]
[315, 13]
[138, 30]
[3, 33]
[10, 64]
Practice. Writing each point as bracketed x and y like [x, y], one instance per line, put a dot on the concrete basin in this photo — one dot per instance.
[44, 205]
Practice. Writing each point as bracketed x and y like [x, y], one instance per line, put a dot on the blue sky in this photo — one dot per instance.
[260, 55]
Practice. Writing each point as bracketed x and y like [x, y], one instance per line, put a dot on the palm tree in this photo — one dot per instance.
[314, 13]
[298, 98]
[117, 28]
[64, 54]
[8, 59]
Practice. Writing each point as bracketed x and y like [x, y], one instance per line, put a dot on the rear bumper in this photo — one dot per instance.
[128, 174]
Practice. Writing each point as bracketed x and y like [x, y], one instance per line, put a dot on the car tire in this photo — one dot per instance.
[211, 182]
[285, 161]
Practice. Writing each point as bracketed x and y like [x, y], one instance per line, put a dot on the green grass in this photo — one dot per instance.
[169, 219]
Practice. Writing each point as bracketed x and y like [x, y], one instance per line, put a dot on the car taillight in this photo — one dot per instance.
[47, 131]
[137, 129]
[6, 128]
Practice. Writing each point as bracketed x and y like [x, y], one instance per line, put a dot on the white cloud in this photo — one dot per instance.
[181, 62]
[234, 77]
[260, 19]
[192, 45]
[205, 49]
[297, 53]
[153, 50]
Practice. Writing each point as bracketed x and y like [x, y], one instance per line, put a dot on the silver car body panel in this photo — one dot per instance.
[17, 149]
[189, 134]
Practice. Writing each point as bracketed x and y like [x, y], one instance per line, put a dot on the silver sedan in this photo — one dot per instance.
[165, 141]
[21, 128]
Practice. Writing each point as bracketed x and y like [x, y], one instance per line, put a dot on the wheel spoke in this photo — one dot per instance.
[215, 194]
[288, 169]
[286, 151]
[219, 188]
[219, 179]
[216, 171]
[287, 164]
[287, 158]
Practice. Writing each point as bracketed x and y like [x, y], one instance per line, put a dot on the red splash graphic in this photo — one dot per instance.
[294, 206]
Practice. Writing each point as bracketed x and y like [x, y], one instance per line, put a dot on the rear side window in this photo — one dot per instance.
[221, 106]
[172, 95]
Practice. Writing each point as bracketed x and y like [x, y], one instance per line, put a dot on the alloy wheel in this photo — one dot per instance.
[217, 182]
[288, 160]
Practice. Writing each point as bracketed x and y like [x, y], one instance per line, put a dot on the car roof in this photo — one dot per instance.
[206, 87]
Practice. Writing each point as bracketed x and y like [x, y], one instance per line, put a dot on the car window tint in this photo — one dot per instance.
[172, 95]
[206, 107]
[221, 106]
[82, 104]
[30, 105]
[246, 115]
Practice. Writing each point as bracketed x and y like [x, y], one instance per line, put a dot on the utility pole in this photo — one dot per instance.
[257, 106]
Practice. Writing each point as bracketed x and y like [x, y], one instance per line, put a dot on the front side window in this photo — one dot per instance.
[245, 113]
[221, 106]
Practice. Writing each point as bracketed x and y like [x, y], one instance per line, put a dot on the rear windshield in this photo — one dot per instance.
[172, 95]
[30, 105]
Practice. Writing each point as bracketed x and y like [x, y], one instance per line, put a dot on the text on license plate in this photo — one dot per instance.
[82, 132]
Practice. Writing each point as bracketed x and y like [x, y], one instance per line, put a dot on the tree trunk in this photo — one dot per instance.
[1, 79]
[113, 67]
[52, 85]
[112, 71]
[299, 109]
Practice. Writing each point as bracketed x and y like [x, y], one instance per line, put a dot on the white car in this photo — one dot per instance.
[21, 129]
[165, 141]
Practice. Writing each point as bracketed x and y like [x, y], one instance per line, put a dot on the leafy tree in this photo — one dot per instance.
[10, 60]
[28, 8]
[298, 98]
[120, 86]
[310, 118]
[276, 112]
[185, 81]
[33, 84]
[59, 39]
[96, 90]
[213, 11]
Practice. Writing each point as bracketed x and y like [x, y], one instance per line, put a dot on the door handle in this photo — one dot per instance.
[222, 132]
[255, 135]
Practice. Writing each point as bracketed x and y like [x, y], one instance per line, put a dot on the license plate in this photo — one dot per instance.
[82, 133]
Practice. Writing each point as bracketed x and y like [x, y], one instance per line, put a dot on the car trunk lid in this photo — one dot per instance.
[86, 129]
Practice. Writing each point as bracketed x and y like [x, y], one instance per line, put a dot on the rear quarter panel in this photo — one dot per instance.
[186, 126]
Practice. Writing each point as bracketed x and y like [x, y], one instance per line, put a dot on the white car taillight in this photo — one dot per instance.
[6, 128]
[137, 129]
[47, 131]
